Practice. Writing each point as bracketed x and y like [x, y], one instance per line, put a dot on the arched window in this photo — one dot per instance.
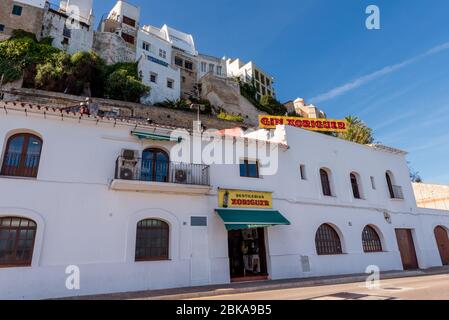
[325, 183]
[327, 241]
[390, 184]
[22, 156]
[155, 165]
[371, 240]
[17, 237]
[152, 240]
[355, 186]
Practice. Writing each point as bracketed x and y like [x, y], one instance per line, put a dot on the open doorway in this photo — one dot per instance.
[247, 255]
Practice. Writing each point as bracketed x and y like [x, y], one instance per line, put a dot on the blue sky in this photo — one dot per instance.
[396, 78]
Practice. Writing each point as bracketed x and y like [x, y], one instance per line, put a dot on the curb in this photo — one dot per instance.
[290, 285]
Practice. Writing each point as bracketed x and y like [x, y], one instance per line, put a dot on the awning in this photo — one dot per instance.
[237, 219]
[154, 136]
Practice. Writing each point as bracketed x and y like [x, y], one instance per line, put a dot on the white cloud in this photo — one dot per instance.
[379, 73]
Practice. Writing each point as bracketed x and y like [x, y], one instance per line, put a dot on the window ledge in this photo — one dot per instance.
[18, 178]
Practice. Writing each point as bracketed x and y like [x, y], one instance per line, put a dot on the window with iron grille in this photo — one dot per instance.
[325, 183]
[152, 240]
[17, 236]
[2, 27]
[371, 240]
[22, 156]
[327, 241]
[355, 186]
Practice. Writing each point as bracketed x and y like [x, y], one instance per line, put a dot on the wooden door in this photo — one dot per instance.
[443, 244]
[407, 249]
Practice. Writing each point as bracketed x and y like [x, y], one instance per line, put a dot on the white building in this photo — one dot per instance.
[123, 20]
[252, 74]
[83, 194]
[70, 25]
[211, 65]
[154, 54]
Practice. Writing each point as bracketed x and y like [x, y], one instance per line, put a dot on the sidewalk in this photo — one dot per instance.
[235, 288]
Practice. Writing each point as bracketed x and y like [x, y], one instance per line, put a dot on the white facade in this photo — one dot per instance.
[155, 55]
[34, 3]
[85, 218]
[180, 40]
[70, 28]
[211, 65]
[250, 73]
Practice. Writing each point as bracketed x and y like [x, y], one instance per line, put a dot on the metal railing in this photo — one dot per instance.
[19, 165]
[396, 192]
[139, 169]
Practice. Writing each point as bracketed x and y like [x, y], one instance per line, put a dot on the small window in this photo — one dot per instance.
[17, 10]
[170, 83]
[17, 236]
[153, 77]
[355, 186]
[162, 53]
[152, 240]
[373, 183]
[179, 62]
[257, 75]
[327, 241]
[219, 70]
[2, 28]
[325, 183]
[203, 67]
[211, 67]
[249, 169]
[302, 171]
[145, 46]
[188, 65]
[371, 240]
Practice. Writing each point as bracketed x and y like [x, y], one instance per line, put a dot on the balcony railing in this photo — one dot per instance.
[396, 192]
[146, 170]
[20, 165]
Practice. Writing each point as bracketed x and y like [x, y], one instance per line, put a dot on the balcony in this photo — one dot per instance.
[396, 193]
[143, 175]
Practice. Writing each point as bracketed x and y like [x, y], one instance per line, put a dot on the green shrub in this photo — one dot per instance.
[120, 85]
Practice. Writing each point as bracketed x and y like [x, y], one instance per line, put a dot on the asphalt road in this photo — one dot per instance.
[434, 287]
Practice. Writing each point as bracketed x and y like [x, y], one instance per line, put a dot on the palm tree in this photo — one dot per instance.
[357, 131]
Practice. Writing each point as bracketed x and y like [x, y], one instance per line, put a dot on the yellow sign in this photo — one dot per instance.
[327, 125]
[244, 199]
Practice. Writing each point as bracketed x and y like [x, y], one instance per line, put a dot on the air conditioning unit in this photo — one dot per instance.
[128, 164]
[130, 155]
[181, 176]
[126, 173]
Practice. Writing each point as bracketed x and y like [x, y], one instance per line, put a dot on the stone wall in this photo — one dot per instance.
[225, 94]
[30, 20]
[431, 196]
[158, 115]
[112, 48]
